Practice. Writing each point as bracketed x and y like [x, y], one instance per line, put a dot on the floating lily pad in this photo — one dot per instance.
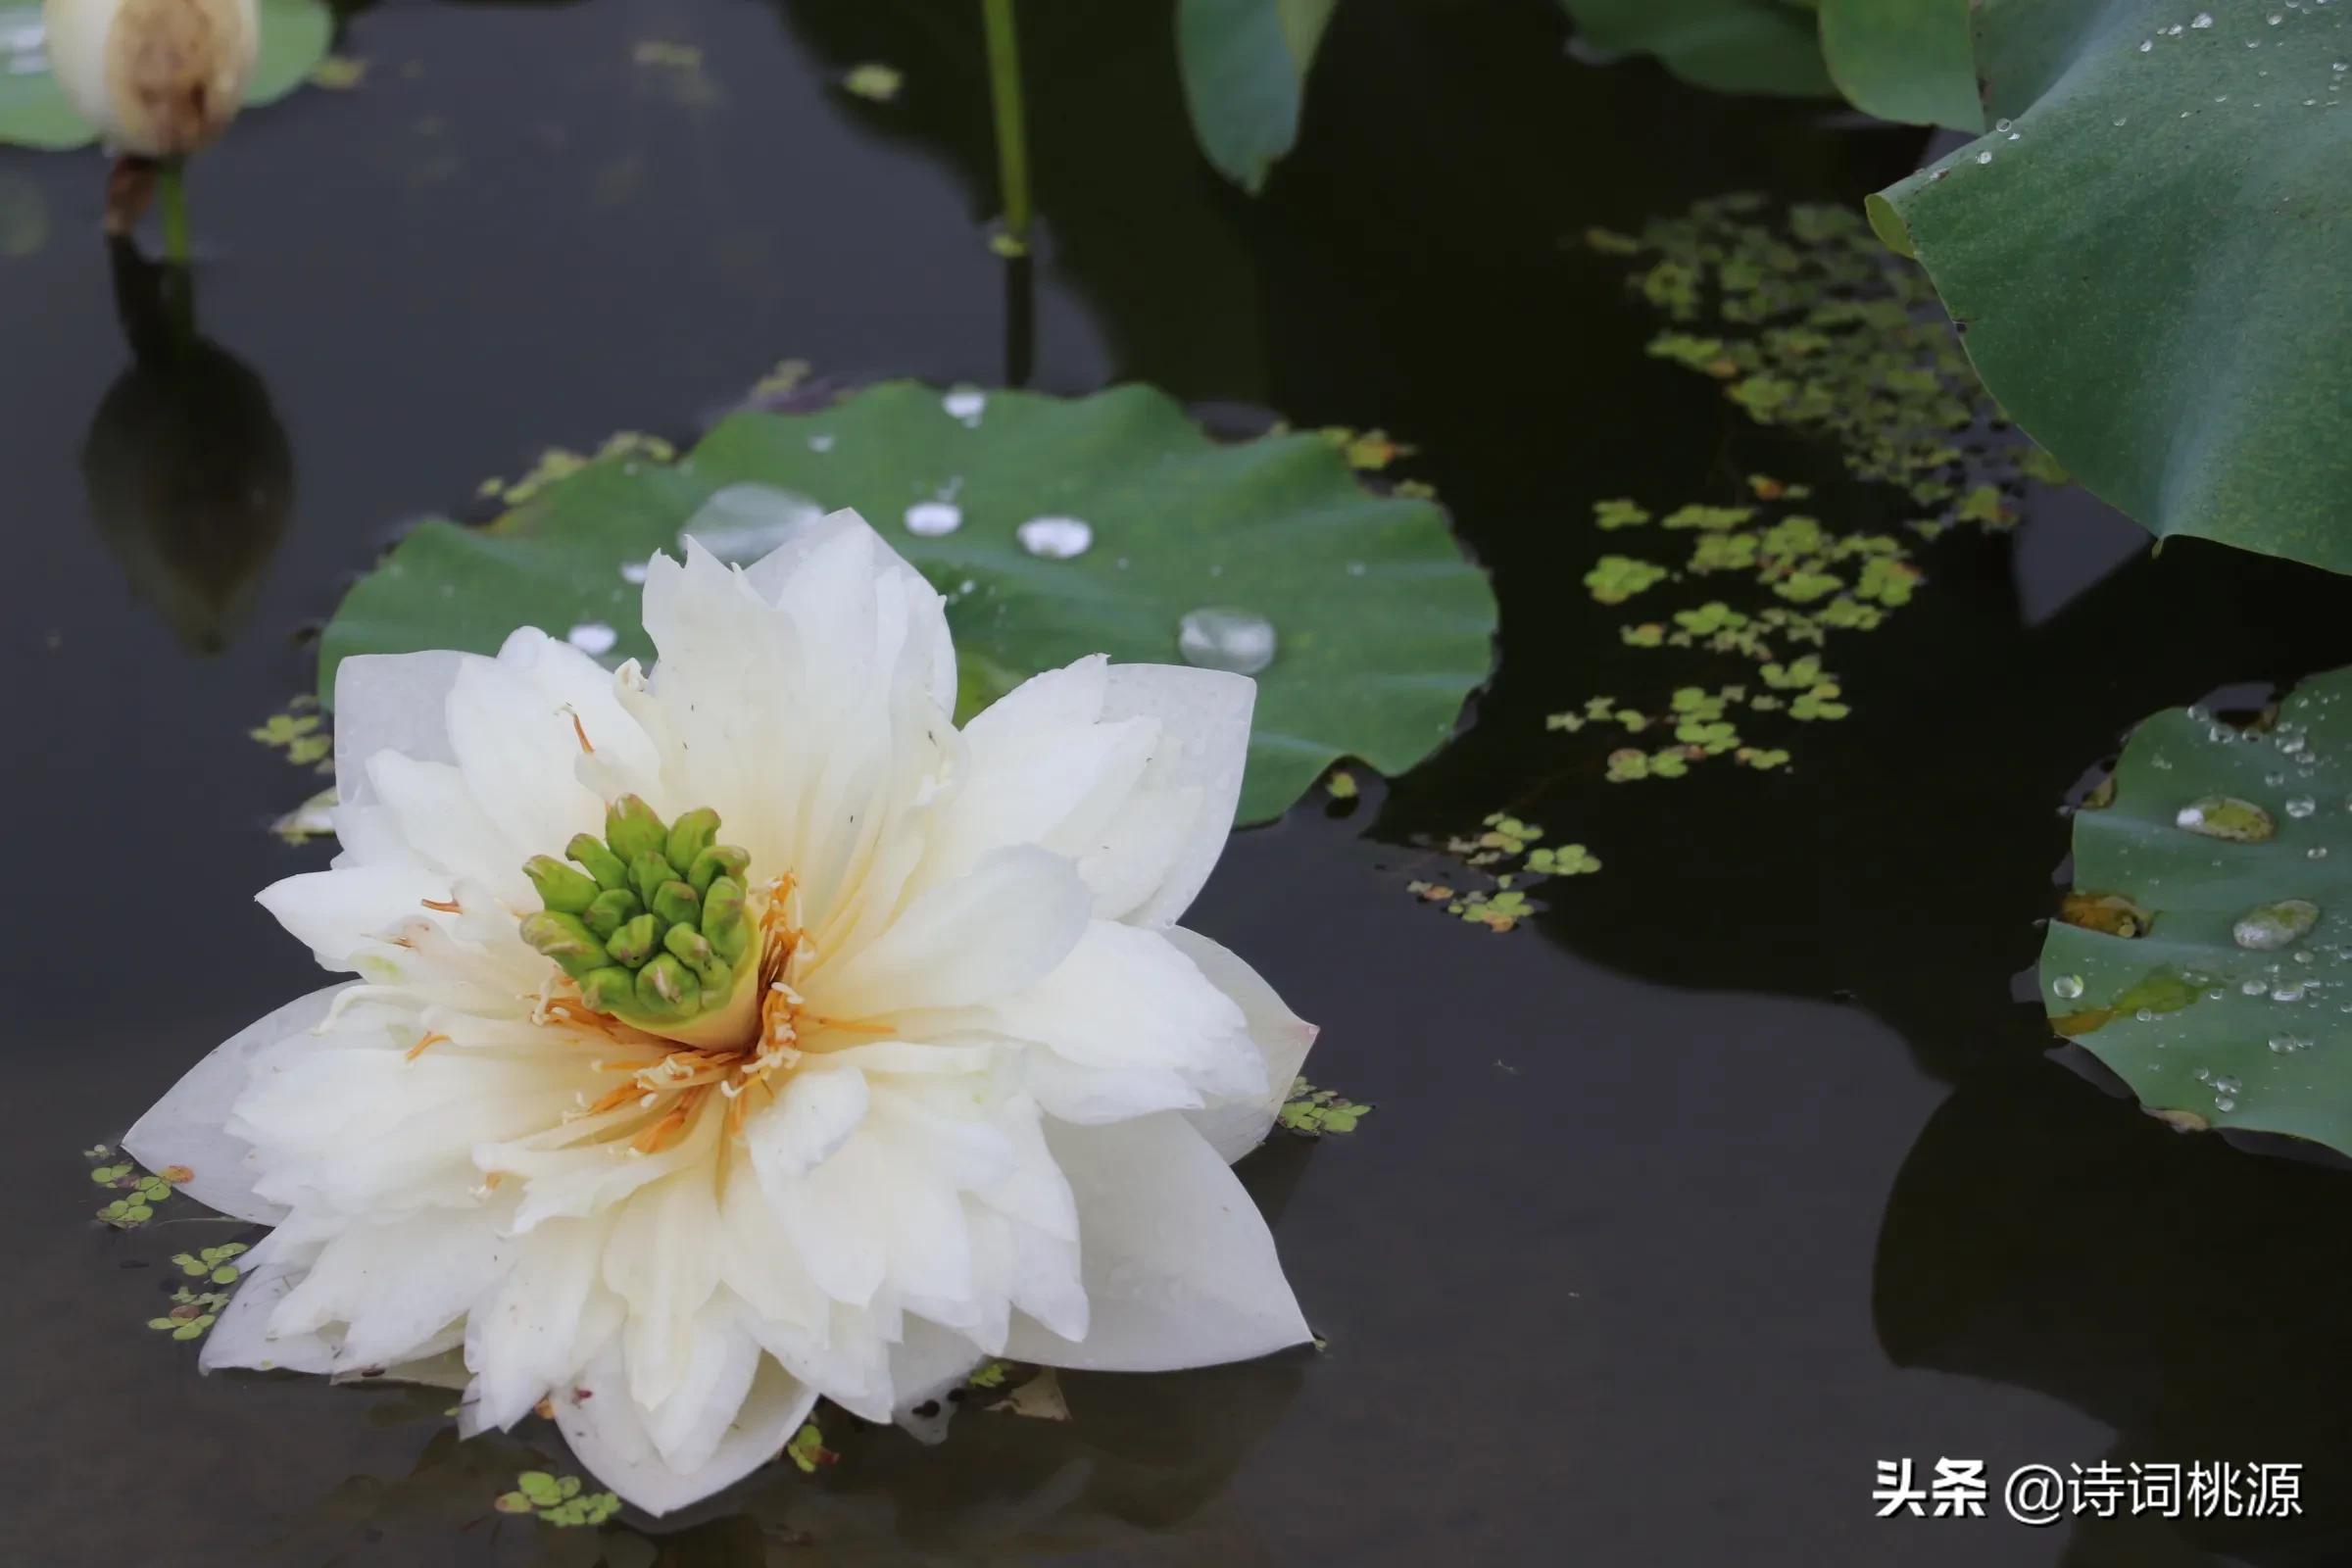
[2203, 952]
[1244, 64]
[2147, 259]
[1057, 527]
[1759, 46]
[35, 113]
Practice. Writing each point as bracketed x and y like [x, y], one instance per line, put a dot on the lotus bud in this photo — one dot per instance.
[559, 886]
[676, 904]
[720, 859]
[666, 989]
[563, 937]
[157, 78]
[725, 924]
[609, 989]
[688, 947]
[689, 836]
[600, 862]
[632, 829]
[610, 912]
[635, 941]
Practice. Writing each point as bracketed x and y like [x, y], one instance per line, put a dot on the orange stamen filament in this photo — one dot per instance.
[420, 1047]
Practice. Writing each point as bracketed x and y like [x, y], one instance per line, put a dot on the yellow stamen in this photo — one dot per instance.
[419, 1048]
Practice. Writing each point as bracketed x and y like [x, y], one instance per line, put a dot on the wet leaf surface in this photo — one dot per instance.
[1055, 528]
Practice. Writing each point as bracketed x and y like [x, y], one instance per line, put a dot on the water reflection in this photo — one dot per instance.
[189, 477]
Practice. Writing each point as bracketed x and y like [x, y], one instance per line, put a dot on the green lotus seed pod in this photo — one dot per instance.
[647, 874]
[689, 835]
[601, 864]
[690, 948]
[635, 941]
[559, 886]
[563, 937]
[677, 903]
[609, 989]
[632, 829]
[720, 859]
[608, 913]
[725, 924]
[666, 989]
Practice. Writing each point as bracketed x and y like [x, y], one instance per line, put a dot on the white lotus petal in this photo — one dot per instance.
[813, 1115]
[342, 912]
[927, 647]
[395, 1288]
[607, 1435]
[520, 754]
[537, 1326]
[688, 1426]
[189, 1125]
[1204, 718]
[1180, 1270]
[240, 1336]
[391, 702]
[982, 936]
[1235, 1127]
[440, 823]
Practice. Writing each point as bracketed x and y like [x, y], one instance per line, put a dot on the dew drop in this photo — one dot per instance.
[2301, 805]
[820, 442]
[2226, 816]
[593, 638]
[2288, 1045]
[929, 519]
[1226, 637]
[1985, 158]
[1055, 538]
[2003, 124]
[965, 403]
[633, 570]
[2204, 19]
[2268, 927]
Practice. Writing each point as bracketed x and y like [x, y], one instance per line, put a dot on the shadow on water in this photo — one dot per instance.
[190, 478]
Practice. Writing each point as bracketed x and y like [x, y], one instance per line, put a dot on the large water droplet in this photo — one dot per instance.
[928, 519]
[2067, 987]
[1055, 538]
[593, 638]
[2226, 816]
[743, 523]
[2204, 19]
[1226, 637]
[2268, 927]
[2301, 805]
[2288, 1045]
[966, 404]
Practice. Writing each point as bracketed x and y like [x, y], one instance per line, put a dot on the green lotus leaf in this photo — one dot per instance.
[35, 113]
[1909, 60]
[1380, 629]
[1244, 66]
[2146, 260]
[2204, 950]
[1758, 46]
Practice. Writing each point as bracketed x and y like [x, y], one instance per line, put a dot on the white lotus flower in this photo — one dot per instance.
[160, 79]
[913, 1068]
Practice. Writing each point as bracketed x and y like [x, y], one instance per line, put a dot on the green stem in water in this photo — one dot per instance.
[1012, 137]
[175, 213]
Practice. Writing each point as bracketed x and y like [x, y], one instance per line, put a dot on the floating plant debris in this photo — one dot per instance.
[1312, 1112]
[1506, 858]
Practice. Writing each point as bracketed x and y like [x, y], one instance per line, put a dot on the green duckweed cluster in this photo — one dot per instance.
[142, 1192]
[298, 731]
[193, 1310]
[1809, 322]
[1506, 856]
[650, 920]
[807, 1451]
[558, 1501]
[1312, 1112]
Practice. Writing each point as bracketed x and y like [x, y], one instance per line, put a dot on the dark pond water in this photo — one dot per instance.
[1737, 1171]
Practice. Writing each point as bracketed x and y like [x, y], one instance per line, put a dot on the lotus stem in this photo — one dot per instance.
[1012, 137]
[175, 212]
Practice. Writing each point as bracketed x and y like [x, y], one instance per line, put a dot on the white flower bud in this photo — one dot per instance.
[161, 78]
